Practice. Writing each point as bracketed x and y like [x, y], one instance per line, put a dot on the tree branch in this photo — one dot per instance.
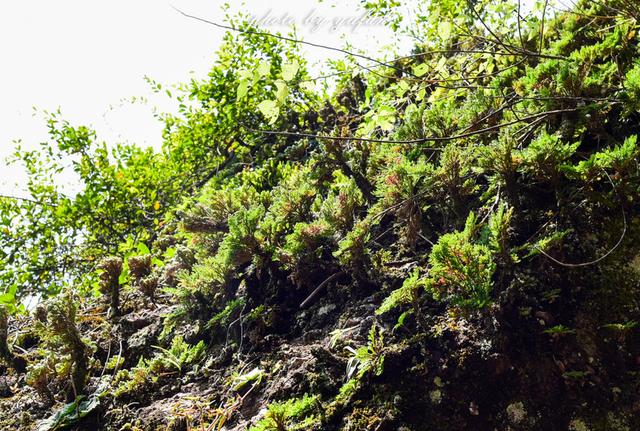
[290, 39]
[414, 141]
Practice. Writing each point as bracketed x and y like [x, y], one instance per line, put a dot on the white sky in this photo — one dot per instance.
[87, 56]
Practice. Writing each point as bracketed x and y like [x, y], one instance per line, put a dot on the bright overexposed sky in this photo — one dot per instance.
[88, 57]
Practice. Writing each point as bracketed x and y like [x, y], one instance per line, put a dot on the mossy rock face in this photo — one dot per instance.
[447, 241]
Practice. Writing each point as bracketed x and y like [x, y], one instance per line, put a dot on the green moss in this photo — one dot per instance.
[290, 415]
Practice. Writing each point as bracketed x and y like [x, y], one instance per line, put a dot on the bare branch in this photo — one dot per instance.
[318, 289]
[20, 198]
[544, 13]
[413, 141]
[520, 25]
[290, 39]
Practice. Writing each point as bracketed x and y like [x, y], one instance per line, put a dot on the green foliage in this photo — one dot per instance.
[50, 239]
[174, 359]
[177, 356]
[70, 414]
[290, 415]
[304, 244]
[133, 381]
[408, 293]
[347, 390]
[352, 250]
[401, 190]
[621, 327]
[253, 377]
[65, 355]
[545, 156]
[56, 237]
[544, 244]
[224, 316]
[340, 206]
[632, 89]
[461, 270]
[369, 358]
[264, 184]
[621, 161]
[499, 228]
[559, 330]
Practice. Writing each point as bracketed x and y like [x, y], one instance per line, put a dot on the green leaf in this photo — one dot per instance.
[170, 252]
[270, 110]
[282, 91]
[444, 29]
[7, 298]
[290, 70]
[385, 118]
[143, 249]
[421, 93]
[70, 414]
[420, 69]
[264, 68]
[124, 275]
[403, 87]
[240, 381]
[243, 89]
[308, 86]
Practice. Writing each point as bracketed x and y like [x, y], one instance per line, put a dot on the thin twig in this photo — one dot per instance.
[318, 289]
[290, 39]
[497, 39]
[414, 141]
[106, 360]
[115, 369]
[611, 250]
[520, 26]
[544, 13]
[20, 198]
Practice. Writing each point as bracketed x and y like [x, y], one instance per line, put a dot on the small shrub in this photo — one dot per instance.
[367, 358]
[111, 268]
[290, 415]
[147, 371]
[139, 266]
[461, 271]
[177, 356]
[546, 156]
[65, 355]
[148, 286]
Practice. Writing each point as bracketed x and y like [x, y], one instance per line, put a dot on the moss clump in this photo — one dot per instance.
[290, 415]
[165, 362]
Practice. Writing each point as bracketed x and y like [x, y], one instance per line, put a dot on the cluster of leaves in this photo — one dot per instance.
[290, 415]
[167, 360]
[50, 239]
[429, 159]
[64, 356]
[369, 358]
